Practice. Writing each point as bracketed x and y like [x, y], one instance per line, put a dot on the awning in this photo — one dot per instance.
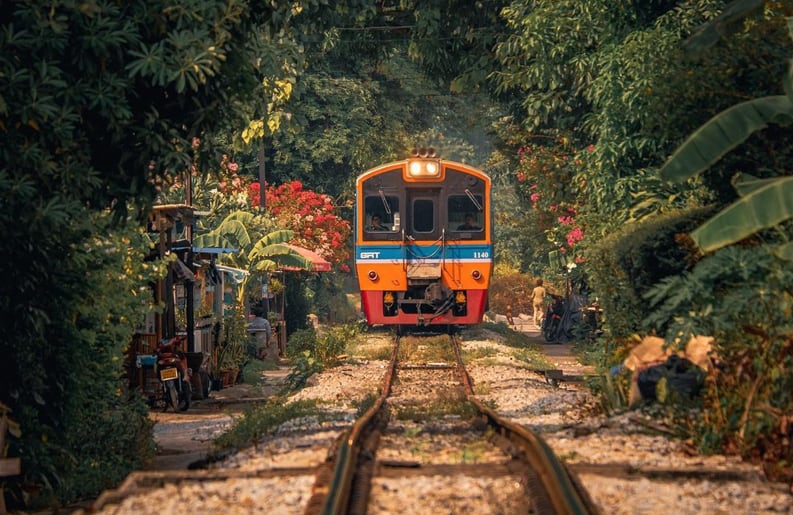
[183, 272]
[318, 263]
[209, 250]
[237, 275]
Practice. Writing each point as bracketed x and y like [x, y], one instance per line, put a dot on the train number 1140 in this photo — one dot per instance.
[482, 255]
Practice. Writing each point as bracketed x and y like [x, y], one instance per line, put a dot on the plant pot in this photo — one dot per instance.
[225, 378]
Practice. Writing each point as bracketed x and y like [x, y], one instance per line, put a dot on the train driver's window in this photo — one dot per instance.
[464, 214]
[381, 216]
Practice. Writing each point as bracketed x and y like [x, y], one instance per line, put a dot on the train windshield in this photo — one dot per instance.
[423, 215]
[382, 214]
[465, 213]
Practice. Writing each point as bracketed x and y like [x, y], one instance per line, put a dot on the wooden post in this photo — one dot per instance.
[8, 466]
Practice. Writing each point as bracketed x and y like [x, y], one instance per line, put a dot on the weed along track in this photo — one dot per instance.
[427, 427]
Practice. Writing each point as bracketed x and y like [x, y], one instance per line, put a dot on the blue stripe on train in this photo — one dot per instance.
[365, 253]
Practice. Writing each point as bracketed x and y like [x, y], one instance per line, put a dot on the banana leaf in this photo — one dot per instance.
[745, 183]
[230, 233]
[729, 21]
[271, 245]
[785, 251]
[764, 207]
[724, 132]
[279, 254]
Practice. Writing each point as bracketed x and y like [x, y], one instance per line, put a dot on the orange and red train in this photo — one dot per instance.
[423, 242]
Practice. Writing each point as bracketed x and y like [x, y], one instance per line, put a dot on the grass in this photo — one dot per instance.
[379, 352]
[479, 353]
[429, 349]
[253, 368]
[261, 419]
[437, 409]
[475, 451]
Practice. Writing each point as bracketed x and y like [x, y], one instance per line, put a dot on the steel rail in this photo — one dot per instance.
[340, 488]
[564, 495]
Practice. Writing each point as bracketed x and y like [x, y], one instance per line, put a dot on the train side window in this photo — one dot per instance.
[464, 215]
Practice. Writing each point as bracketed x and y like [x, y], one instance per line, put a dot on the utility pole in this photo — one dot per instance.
[261, 175]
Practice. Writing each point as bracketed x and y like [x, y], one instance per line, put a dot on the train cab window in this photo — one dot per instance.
[381, 217]
[464, 214]
[423, 215]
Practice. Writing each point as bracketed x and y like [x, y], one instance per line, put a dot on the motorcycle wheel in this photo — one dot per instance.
[172, 396]
[549, 327]
[185, 395]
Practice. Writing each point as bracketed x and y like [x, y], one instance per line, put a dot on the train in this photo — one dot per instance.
[423, 242]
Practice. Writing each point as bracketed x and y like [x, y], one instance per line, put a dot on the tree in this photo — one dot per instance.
[99, 104]
[764, 203]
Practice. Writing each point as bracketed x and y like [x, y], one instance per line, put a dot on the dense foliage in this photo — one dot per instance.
[103, 104]
[606, 92]
[99, 102]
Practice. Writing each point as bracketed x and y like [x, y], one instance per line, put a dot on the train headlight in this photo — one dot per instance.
[476, 274]
[423, 168]
[372, 275]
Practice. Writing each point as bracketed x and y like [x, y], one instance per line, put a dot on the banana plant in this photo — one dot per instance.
[763, 203]
[265, 254]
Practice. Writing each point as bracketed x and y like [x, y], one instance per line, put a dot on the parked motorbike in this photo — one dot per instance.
[570, 318]
[552, 321]
[174, 373]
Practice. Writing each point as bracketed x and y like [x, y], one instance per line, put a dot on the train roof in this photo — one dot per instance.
[403, 163]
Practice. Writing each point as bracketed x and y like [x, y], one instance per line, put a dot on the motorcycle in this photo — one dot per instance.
[570, 318]
[552, 320]
[174, 373]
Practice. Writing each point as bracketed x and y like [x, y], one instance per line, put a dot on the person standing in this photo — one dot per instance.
[262, 332]
[538, 302]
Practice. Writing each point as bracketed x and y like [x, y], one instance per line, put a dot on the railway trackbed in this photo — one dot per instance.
[437, 454]
[428, 422]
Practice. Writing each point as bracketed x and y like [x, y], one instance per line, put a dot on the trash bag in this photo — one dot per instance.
[679, 375]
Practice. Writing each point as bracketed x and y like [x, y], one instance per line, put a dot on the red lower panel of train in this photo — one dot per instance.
[375, 311]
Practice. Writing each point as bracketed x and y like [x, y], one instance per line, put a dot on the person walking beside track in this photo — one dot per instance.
[538, 302]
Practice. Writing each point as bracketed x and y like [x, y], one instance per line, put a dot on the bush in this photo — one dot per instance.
[300, 341]
[741, 297]
[298, 302]
[63, 371]
[331, 303]
[626, 264]
[512, 290]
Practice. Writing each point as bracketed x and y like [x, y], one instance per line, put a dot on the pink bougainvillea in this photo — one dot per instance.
[548, 176]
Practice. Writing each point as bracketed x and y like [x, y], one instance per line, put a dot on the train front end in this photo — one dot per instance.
[423, 251]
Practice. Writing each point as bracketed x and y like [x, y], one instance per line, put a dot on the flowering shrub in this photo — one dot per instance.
[546, 176]
[310, 215]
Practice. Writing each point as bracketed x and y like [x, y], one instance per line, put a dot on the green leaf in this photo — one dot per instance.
[724, 132]
[745, 183]
[784, 251]
[271, 245]
[765, 207]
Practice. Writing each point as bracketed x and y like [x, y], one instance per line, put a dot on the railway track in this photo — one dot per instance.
[434, 404]
[436, 451]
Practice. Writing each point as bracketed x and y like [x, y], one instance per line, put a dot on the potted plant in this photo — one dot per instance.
[233, 346]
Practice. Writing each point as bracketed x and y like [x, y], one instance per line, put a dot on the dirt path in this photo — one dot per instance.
[184, 438]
